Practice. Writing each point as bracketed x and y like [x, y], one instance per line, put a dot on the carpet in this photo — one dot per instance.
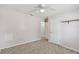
[37, 47]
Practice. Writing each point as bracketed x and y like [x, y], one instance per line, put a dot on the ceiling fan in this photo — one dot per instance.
[41, 8]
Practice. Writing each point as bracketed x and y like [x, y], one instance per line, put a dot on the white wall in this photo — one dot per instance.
[65, 34]
[17, 28]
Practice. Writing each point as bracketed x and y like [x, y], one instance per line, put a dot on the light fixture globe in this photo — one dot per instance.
[42, 10]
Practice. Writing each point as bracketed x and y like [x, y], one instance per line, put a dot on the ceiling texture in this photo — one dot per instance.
[59, 9]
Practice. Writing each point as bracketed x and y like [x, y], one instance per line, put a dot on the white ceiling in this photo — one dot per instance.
[60, 8]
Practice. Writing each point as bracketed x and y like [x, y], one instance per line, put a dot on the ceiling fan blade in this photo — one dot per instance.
[52, 9]
[34, 10]
[30, 12]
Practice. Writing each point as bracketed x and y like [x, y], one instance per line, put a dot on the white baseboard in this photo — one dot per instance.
[65, 46]
[0, 50]
[21, 43]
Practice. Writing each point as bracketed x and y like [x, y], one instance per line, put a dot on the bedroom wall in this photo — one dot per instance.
[17, 28]
[65, 34]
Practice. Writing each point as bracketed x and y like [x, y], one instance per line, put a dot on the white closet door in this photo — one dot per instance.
[42, 28]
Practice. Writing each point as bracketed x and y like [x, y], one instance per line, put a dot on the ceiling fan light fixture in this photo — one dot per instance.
[42, 10]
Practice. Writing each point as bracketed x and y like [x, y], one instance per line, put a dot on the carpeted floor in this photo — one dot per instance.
[37, 47]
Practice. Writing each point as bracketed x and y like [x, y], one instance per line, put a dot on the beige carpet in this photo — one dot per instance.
[37, 47]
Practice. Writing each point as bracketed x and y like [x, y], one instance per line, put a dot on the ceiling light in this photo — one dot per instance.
[42, 10]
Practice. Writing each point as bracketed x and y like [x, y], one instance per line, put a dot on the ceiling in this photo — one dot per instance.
[60, 8]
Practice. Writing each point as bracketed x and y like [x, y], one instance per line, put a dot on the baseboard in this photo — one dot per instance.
[0, 50]
[65, 47]
[70, 48]
[21, 43]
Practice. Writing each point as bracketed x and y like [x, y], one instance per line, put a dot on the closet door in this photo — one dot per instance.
[42, 29]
